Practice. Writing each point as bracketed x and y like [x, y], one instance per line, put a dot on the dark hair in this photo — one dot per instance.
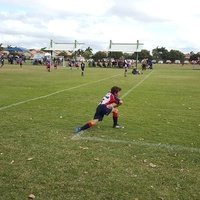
[115, 89]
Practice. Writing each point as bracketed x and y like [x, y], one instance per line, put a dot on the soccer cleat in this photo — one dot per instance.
[118, 126]
[77, 130]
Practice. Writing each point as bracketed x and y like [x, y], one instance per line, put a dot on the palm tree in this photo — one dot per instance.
[1, 48]
[89, 49]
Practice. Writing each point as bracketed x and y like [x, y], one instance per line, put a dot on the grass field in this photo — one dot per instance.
[156, 155]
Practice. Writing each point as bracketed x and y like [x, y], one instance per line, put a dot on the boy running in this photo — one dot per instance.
[108, 104]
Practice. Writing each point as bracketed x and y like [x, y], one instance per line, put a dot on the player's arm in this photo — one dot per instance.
[119, 102]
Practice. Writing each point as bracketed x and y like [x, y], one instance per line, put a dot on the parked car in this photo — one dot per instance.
[177, 62]
[160, 62]
[168, 61]
[186, 62]
[153, 61]
[194, 62]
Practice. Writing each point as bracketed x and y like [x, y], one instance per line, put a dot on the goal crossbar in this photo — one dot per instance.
[65, 46]
[125, 47]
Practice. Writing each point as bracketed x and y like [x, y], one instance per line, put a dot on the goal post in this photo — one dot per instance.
[126, 47]
[64, 46]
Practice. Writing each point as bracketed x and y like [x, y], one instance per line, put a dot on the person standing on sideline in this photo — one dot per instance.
[108, 104]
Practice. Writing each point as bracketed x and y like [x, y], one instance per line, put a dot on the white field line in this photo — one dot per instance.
[138, 143]
[57, 92]
[135, 86]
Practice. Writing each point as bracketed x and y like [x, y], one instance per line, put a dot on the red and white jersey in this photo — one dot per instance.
[109, 98]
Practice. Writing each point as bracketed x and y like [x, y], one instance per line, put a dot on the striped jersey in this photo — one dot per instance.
[108, 99]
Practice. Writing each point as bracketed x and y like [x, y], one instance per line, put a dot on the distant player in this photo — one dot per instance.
[108, 105]
[125, 68]
[136, 71]
[48, 65]
[82, 68]
[20, 62]
[55, 64]
[2, 61]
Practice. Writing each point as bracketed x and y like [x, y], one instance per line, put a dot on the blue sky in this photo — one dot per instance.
[173, 24]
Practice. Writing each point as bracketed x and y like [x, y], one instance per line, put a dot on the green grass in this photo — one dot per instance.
[156, 155]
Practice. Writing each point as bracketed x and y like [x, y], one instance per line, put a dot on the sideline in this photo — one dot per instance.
[75, 87]
[57, 92]
[138, 143]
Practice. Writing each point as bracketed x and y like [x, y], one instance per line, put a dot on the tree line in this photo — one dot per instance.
[157, 54]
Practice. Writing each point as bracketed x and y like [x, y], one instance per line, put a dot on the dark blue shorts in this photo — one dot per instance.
[101, 111]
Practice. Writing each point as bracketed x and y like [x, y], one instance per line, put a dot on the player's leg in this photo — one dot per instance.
[125, 73]
[86, 126]
[115, 113]
[98, 116]
[115, 116]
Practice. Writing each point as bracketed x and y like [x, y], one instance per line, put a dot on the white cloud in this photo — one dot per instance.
[88, 7]
[172, 24]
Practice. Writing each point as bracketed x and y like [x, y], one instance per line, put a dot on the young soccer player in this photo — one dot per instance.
[108, 104]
